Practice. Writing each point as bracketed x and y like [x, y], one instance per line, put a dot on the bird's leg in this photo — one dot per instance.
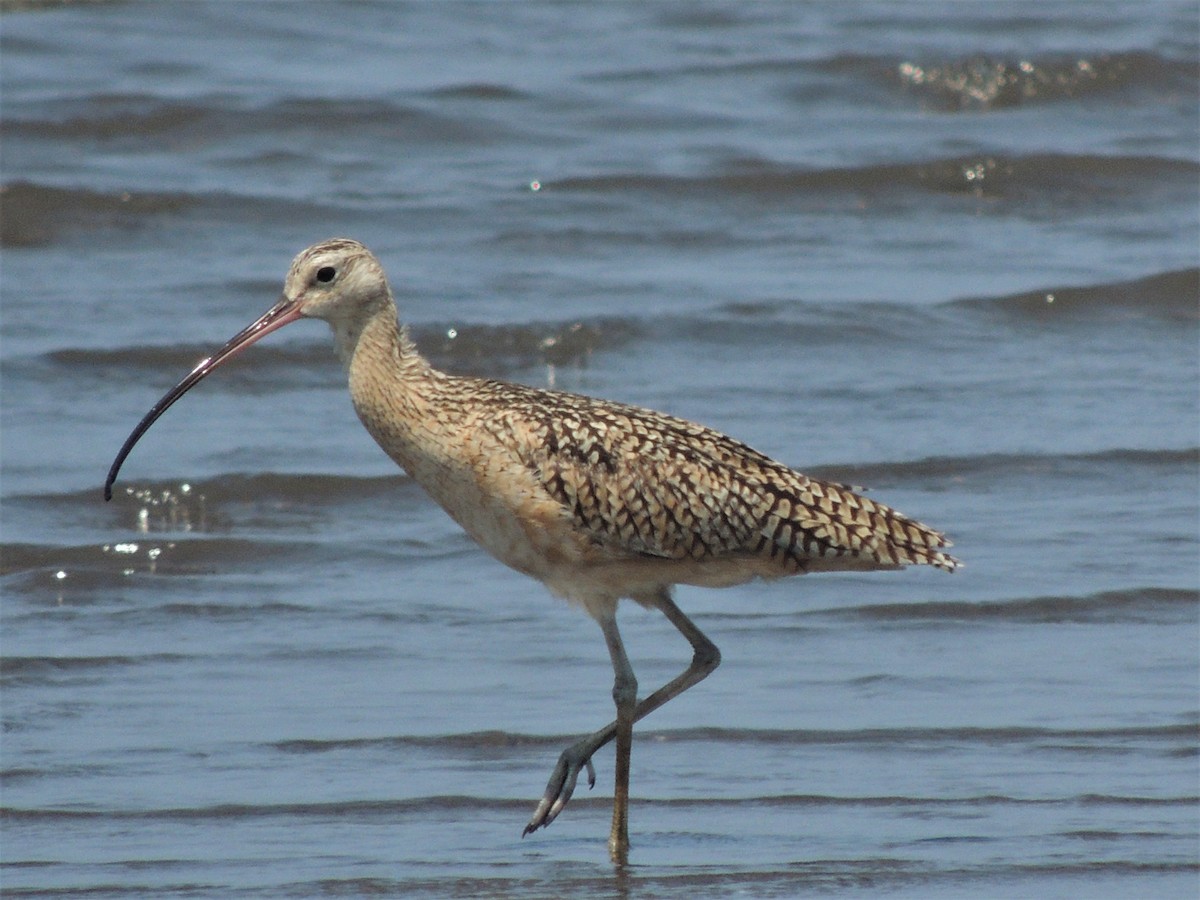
[705, 658]
[625, 697]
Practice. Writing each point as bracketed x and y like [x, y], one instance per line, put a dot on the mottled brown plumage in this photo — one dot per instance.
[599, 501]
[641, 484]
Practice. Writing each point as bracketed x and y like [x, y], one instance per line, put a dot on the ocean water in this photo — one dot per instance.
[945, 250]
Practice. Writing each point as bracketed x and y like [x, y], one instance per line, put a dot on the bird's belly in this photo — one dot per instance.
[503, 534]
[512, 517]
[518, 525]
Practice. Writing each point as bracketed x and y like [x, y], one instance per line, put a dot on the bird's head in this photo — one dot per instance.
[337, 280]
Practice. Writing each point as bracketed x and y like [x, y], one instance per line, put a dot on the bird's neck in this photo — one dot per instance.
[378, 349]
[369, 334]
[391, 384]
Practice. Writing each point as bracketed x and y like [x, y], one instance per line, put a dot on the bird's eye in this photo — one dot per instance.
[326, 274]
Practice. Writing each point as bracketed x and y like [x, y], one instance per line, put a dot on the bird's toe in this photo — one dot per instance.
[561, 786]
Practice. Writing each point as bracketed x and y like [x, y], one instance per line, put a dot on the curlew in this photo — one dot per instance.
[599, 501]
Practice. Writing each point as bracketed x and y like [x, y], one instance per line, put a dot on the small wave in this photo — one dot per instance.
[982, 800]
[337, 809]
[183, 528]
[1041, 177]
[104, 361]
[494, 741]
[880, 875]
[47, 558]
[986, 83]
[41, 667]
[34, 214]
[89, 567]
[400, 809]
[971, 83]
[586, 239]
[918, 737]
[478, 90]
[856, 325]
[270, 488]
[1168, 295]
[998, 465]
[468, 741]
[298, 365]
[121, 118]
[461, 347]
[72, 671]
[378, 118]
[1143, 605]
[38, 214]
[235, 612]
[467, 348]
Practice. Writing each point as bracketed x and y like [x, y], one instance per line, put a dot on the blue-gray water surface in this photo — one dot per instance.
[944, 250]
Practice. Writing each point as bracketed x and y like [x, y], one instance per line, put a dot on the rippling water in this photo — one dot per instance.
[945, 250]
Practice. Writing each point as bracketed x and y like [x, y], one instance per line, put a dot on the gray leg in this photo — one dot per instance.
[625, 698]
[577, 757]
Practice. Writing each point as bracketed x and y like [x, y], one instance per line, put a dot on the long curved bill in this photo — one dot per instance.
[284, 311]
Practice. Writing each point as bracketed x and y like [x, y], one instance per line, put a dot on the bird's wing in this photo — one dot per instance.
[644, 483]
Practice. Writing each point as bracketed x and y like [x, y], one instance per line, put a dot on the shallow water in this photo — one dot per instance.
[946, 250]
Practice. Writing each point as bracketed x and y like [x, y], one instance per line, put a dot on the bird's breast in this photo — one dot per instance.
[477, 479]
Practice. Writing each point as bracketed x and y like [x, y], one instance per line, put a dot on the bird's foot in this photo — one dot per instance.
[573, 760]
